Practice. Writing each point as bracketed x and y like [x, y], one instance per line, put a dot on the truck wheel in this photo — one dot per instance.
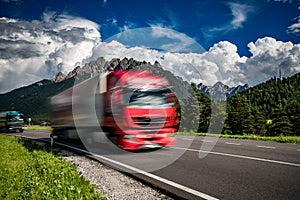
[119, 140]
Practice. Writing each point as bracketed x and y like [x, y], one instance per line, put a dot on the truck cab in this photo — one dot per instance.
[12, 121]
[140, 110]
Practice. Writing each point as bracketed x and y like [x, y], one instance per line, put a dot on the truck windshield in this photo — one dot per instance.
[150, 99]
[15, 118]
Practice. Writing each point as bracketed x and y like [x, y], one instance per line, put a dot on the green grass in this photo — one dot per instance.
[31, 172]
[38, 127]
[282, 139]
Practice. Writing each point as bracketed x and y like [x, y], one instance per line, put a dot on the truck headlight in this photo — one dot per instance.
[129, 137]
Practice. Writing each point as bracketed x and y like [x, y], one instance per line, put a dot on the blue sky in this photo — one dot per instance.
[214, 25]
[207, 21]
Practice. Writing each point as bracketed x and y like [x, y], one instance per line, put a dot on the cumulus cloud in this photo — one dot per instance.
[220, 63]
[268, 56]
[32, 50]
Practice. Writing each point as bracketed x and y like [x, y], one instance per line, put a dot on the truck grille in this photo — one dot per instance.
[149, 122]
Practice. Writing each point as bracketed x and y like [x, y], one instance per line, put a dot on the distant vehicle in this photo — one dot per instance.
[45, 124]
[136, 108]
[11, 121]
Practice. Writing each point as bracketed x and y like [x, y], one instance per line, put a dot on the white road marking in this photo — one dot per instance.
[207, 141]
[176, 185]
[266, 147]
[232, 143]
[241, 156]
[163, 180]
[186, 138]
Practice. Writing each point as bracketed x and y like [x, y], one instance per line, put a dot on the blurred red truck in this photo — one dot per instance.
[136, 108]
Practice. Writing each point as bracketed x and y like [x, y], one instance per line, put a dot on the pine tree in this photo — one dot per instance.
[281, 124]
[190, 112]
[233, 122]
[239, 117]
[205, 112]
[293, 111]
[259, 123]
[247, 117]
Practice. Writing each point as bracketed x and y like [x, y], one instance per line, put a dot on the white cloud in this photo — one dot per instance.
[172, 18]
[295, 28]
[39, 49]
[114, 21]
[43, 47]
[270, 55]
[220, 63]
[239, 12]
[16, 2]
[104, 2]
[128, 26]
[182, 43]
[157, 37]
[284, 1]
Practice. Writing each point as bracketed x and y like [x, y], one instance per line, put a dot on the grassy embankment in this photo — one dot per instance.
[28, 171]
[282, 139]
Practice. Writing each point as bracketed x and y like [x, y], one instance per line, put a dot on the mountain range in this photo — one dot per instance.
[218, 90]
[34, 100]
[221, 91]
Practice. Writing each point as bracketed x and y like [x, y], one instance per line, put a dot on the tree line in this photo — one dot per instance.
[268, 109]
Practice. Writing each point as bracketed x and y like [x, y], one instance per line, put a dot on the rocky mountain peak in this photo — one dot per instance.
[101, 65]
[218, 90]
[221, 91]
[59, 77]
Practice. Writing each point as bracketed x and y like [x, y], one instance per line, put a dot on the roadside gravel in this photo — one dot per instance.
[111, 183]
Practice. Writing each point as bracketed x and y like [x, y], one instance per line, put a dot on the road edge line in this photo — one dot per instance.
[241, 156]
[163, 180]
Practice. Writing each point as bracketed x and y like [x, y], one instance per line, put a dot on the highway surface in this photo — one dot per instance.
[233, 169]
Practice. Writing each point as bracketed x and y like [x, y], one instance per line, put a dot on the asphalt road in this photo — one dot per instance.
[232, 169]
[240, 169]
